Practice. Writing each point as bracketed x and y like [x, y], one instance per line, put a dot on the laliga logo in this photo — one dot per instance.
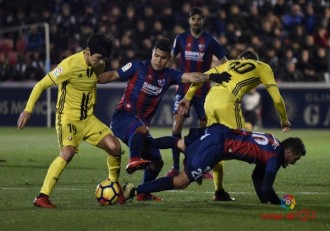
[288, 202]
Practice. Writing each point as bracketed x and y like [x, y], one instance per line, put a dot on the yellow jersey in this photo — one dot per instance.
[246, 74]
[76, 83]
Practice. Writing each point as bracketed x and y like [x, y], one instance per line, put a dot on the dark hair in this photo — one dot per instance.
[196, 10]
[163, 44]
[296, 145]
[248, 54]
[101, 44]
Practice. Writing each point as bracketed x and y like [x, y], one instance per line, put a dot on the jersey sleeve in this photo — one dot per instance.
[268, 79]
[37, 90]
[268, 181]
[62, 72]
[176, 47]
[127, 71]
[218, 50]
[278, 102]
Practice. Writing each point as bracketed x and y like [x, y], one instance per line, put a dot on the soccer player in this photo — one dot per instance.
[195, 49]
[147, 82]
[223, 102]
[76, 78]
[205, 147]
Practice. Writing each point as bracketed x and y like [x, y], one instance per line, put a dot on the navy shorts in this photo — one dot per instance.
[204, 152]
[123, 125]
[196, 102]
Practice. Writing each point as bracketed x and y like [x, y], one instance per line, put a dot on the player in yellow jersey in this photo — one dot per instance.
[223, 102]
[76, 78]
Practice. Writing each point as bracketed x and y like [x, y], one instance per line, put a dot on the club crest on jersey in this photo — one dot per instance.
[57, 71]
[201, 47]
[126, 67]
[161, 82]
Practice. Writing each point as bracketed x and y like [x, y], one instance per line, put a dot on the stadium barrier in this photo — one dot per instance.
[308, 106]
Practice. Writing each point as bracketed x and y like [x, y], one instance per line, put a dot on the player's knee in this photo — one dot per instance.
[67, 153]
[142, 130]
[111, 145]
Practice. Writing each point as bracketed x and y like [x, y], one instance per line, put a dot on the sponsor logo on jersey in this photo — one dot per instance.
[126, 67]
[151, 89]
[194, 56]
[57, 71]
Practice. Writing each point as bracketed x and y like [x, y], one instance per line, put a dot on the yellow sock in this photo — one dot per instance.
[54, 172]
[113, 163]
[218, 176]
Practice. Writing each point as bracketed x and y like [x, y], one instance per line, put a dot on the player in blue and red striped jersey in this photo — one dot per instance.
[195, 50]
[147, 82]
[205, 147]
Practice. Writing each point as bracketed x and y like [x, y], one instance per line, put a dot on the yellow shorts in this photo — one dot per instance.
[221, 106]
[72, 132]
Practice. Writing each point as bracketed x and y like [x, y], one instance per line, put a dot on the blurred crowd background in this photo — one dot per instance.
[292, 36]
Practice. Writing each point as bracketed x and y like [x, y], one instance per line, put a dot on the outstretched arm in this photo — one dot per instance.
[196, 77]
[107, 77]
[37, 90]
[280, 107]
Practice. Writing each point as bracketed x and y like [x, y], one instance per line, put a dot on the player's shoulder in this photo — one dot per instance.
[74, 59]
[184, 35]
[70, 64]
[207, 35]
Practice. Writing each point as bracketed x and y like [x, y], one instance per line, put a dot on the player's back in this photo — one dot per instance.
[245, 75]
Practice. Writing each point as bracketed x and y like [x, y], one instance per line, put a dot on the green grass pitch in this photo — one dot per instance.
[25, 157]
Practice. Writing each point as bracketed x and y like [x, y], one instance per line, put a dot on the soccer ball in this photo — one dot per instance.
[107, 192]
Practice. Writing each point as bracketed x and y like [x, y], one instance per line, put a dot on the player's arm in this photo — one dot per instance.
[280, 106]
[267, 188]
[197, 77]
[172, 60]
[263, 184]
[108, 76]
[257, 178]
[37, 90]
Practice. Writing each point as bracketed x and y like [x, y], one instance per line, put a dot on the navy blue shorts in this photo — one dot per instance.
[123, 125]
[204, 152]
[196, 102]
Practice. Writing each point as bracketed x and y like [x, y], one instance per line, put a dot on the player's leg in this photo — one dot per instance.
[69, 137]
[201, 116]
[98, 134]
[151, 173]
[219, 108]
[178, 121]
[180, 181]
[132, 132]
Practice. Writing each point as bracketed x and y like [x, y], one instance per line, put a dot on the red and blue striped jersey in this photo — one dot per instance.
[196, 56]
[145, 88]
[254, 147]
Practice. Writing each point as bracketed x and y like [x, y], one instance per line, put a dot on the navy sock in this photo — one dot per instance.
[161, 184]
[150, 174]
[176, 153]
[136, 143]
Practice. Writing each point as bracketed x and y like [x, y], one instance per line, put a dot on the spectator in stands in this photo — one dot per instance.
[67, 19]
[290, 73]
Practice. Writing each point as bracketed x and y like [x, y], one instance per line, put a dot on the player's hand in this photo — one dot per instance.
[22, 119]
[285, 125]
[183, 106]
[220, 77]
